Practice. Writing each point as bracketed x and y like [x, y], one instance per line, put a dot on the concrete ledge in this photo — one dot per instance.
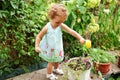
[35, 75]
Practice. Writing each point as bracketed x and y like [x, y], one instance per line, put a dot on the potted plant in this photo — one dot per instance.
[119, 59]
[79, 67]
[102, 60]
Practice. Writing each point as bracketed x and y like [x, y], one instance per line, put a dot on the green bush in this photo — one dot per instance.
[20, 22]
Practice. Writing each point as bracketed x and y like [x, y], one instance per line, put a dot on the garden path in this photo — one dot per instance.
[40, 74]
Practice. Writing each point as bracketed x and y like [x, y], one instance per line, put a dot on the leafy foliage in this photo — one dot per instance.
[102, 56]
[20, 21]
[108, 36]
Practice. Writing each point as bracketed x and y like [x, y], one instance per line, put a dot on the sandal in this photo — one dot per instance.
[58, 71]
[51, 76]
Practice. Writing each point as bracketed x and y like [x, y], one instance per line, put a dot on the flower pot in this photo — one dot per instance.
[79, 74]
[104, 68]
[119, 60]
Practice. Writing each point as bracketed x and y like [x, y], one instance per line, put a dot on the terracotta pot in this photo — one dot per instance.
[104, 68]
[119, 60]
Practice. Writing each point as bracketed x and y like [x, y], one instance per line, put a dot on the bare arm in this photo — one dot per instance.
[38, 39]
[73, 33]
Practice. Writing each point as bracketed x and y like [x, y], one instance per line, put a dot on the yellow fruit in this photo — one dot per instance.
[88, 44]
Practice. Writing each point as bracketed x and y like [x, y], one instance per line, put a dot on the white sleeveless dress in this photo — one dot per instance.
[52, 45]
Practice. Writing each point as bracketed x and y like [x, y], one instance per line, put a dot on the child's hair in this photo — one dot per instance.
[57, 10]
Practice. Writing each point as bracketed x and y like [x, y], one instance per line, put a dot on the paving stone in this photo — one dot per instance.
[115, 69]
[36, 75]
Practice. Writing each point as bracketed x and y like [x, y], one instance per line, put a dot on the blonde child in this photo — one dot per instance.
[49, 41]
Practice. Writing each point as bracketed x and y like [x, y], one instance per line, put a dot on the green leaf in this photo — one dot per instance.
[82, 9]
[16, 62]
[80, 2]
[3, 13]
[14, 3]
[84, 17]
[7, 69]
[22, 52]
[12, 13]
[73, 20]
[1, 72]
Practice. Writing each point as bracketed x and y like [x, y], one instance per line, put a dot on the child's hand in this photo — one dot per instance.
[37, 49]
[82, 40]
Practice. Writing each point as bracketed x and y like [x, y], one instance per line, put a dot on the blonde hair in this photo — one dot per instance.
[57, 10]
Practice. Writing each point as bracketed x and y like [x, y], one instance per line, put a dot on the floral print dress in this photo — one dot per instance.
[52, 45]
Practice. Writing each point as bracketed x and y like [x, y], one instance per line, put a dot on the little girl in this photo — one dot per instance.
[49, 41]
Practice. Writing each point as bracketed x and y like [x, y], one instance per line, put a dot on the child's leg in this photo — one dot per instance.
[56, 68]
[49, 68]
[50, 75]
[56, 65]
